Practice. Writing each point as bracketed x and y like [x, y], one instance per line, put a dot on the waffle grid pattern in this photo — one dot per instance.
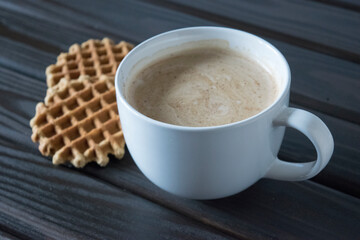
[92, 58]
[79, 122]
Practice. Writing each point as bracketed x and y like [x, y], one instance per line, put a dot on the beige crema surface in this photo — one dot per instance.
[206, 86]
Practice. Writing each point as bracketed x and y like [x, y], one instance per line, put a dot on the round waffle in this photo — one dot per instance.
[79, 122]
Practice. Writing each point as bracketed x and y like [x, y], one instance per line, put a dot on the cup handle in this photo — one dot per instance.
[318, 133]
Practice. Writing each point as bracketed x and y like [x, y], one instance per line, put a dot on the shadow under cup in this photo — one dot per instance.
[204, 162]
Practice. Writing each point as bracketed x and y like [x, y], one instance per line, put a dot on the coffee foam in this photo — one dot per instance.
[206, 85]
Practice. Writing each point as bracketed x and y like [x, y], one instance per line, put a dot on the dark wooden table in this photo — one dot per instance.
[320, 39]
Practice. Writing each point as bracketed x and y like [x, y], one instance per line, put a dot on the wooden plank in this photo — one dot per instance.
[312, 72]
[308, 24]
[7, 236]
[40, 201]
[353, 5]
[281, 21]
[269, 209]
[323, 83]
[24, 58]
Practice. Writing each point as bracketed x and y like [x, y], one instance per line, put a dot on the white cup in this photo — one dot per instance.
[219, 161]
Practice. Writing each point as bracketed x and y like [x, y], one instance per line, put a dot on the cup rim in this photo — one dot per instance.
[245, 121]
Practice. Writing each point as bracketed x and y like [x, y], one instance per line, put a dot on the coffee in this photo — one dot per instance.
[202, 86]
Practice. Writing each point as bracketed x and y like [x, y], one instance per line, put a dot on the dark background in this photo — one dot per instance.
[321, 41]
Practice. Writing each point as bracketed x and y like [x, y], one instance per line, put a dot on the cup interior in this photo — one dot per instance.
[254, 47]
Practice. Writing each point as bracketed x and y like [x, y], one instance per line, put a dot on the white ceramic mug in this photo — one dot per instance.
[215, 162]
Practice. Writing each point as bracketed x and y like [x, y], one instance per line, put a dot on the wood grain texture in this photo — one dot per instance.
[7, 236]
[312, 25]
[267, 210]
[312, 72]
[39, 201]
[353, 5]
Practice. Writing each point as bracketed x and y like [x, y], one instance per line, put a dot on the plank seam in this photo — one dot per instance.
[340, 4]
[203, 220]
[262, 31]
[12, 232]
